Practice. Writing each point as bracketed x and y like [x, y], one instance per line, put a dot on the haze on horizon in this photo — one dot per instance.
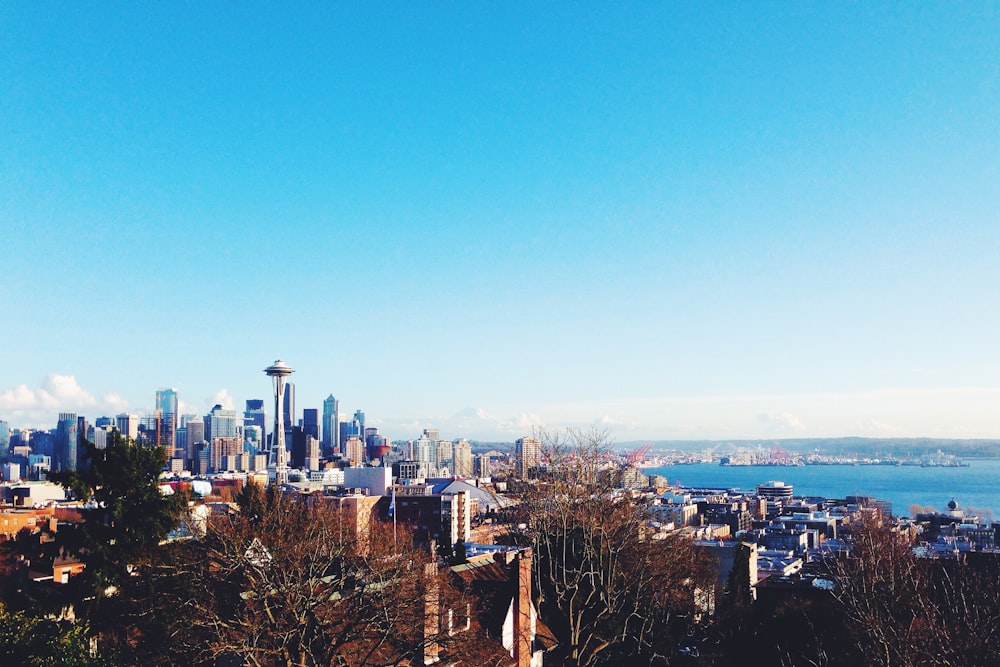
[677, 222]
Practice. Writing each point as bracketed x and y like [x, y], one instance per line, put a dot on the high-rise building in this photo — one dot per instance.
[222, 423]
[254, 415]
[253, 439]
[4, 438]
[354, 450]
[288, 403]
[359, 417]
[195, 437]
[43, 443]
[349, 429]
[166, 412]
[297, 457]
[376, 446]
[482, 465]
[331, 426]
[195, 431]
[128, 425]
[425, 453]
[19, 436]
[310, 422]
[82, 431]
[220, 449]
[180, 442]
[462, 458]
[149, 429]
[444, 455]
[528, 454]
[101, 435]
[312, 453]
[66, 442]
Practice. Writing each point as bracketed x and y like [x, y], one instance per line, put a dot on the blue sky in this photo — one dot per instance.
[675, 220]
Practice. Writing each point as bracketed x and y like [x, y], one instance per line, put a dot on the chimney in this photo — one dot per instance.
[522, 611]
[432, 610]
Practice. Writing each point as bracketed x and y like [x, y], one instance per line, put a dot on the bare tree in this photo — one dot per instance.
[609, 594]
[908, 610]
[286, 582]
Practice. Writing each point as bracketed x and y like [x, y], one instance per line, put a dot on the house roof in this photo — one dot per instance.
[495, 583]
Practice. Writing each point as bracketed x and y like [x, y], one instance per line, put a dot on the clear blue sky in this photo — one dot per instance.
[678, 220]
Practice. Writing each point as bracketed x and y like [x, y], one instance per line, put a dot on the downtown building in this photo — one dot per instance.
[528, 455]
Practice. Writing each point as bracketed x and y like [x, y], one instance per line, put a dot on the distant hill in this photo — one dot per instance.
[901, 447]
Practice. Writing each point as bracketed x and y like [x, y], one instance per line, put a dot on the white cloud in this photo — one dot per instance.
[781, 421]
[17, 399]
[877, 428]
[529, 420]
[64, 389]
[475, 415]
[38, 407]
[115, 402]
[57, 392]
[470, 422]
[223, 398]
[185, 408]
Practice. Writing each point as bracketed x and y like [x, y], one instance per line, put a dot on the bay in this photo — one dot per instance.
[976, 488]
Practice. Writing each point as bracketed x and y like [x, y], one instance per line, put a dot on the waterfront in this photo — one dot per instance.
[974, 487]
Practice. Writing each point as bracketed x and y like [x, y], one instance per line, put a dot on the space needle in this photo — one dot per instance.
[278, 371]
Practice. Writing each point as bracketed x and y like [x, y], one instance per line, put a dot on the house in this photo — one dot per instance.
[502, 582]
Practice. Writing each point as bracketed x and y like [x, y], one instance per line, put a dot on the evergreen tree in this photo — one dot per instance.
[34, 642]
[124, 522]
[127, 514]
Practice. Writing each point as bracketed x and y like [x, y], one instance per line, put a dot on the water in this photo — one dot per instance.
[976, 488]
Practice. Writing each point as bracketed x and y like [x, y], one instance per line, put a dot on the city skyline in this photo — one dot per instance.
[675, 222]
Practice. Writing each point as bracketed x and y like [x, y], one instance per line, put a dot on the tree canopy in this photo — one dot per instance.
[609, 593]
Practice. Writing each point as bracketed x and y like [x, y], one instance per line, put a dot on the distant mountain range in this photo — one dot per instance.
[901, 447]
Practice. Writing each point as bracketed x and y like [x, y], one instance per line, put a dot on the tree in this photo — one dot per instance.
[609, 593]
[908, 610]
[35, 642]
[128, 515]
[288, 581]
[124, 522]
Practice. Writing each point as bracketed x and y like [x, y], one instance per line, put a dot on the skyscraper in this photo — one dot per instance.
[444, 455]
[195, 438]
[462, 453]
[312, 453]
[359, 417]
[288, 403]
[349, 429]
[354, 450]
[82, 429]
[5, 438]
[128, 425]
[222, 423]
[331, 426]
[66, 442]
[425, 454]
[297, 455]
[166, 412]
[528, 452]
[254, 415]
[310, 422]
